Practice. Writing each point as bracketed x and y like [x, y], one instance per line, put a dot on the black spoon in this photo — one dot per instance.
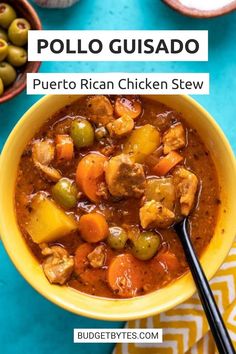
[215, 320]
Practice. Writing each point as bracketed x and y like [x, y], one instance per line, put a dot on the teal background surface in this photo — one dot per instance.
[29, 324]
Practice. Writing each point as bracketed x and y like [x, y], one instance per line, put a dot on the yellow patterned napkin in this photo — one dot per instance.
[185, 328]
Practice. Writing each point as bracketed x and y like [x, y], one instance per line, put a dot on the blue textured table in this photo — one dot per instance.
[30, 324]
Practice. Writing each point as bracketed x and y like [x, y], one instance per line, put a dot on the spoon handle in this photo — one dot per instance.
[217, 326]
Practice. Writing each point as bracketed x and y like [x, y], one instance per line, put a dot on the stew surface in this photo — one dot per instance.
[99, 188]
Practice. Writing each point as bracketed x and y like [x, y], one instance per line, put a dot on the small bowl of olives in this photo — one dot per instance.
[16, 19]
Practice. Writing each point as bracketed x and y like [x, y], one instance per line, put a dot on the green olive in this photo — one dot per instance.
[7, 73]
[18, 31]
[65, 193]
[82, 133]
[7, 15]
[117, 238]
[3, 49]
[17, 56]
[1, 87]
[3, 35]
[146, 246]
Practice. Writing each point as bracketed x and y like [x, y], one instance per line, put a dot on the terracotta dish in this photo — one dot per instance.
[23, 9]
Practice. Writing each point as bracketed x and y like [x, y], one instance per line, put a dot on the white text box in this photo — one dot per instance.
[118, 45]
[118, 83]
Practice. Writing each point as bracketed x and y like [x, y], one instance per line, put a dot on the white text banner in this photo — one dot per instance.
[124, 335]
[48, 45]
[118, 83]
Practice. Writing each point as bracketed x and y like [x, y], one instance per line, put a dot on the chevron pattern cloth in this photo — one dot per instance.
[185, 328]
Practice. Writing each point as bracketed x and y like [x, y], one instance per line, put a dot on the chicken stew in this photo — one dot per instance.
[99, 188]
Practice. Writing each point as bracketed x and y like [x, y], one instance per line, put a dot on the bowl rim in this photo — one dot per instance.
[90, 311]
[36, 65]
[187, 11]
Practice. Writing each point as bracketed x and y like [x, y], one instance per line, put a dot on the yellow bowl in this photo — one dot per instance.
[118, 309]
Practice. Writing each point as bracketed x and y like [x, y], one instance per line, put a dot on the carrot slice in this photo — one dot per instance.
[81, 261]
[166, 163]
[90, 174]
[126, 106]
[93, 227]
[64, 147]
[125, 275]
[169, 261]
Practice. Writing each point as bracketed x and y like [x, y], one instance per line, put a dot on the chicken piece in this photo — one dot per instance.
[121, 126]
[174, 138]
[58, 265]
[100, 109]
[103, 192]
[43, 153]
[97, 257]
[186, 185]
[124, 177]
[108, 150]
[49, 172]
[155, 214]
[100, 133]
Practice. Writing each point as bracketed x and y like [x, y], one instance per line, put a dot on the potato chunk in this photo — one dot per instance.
[155, 214]
[124, 177]
[186, 184]
[142, 142]
[100, 109]
[161, 190]
[174, 138]
[121, 126]
[48, 222]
